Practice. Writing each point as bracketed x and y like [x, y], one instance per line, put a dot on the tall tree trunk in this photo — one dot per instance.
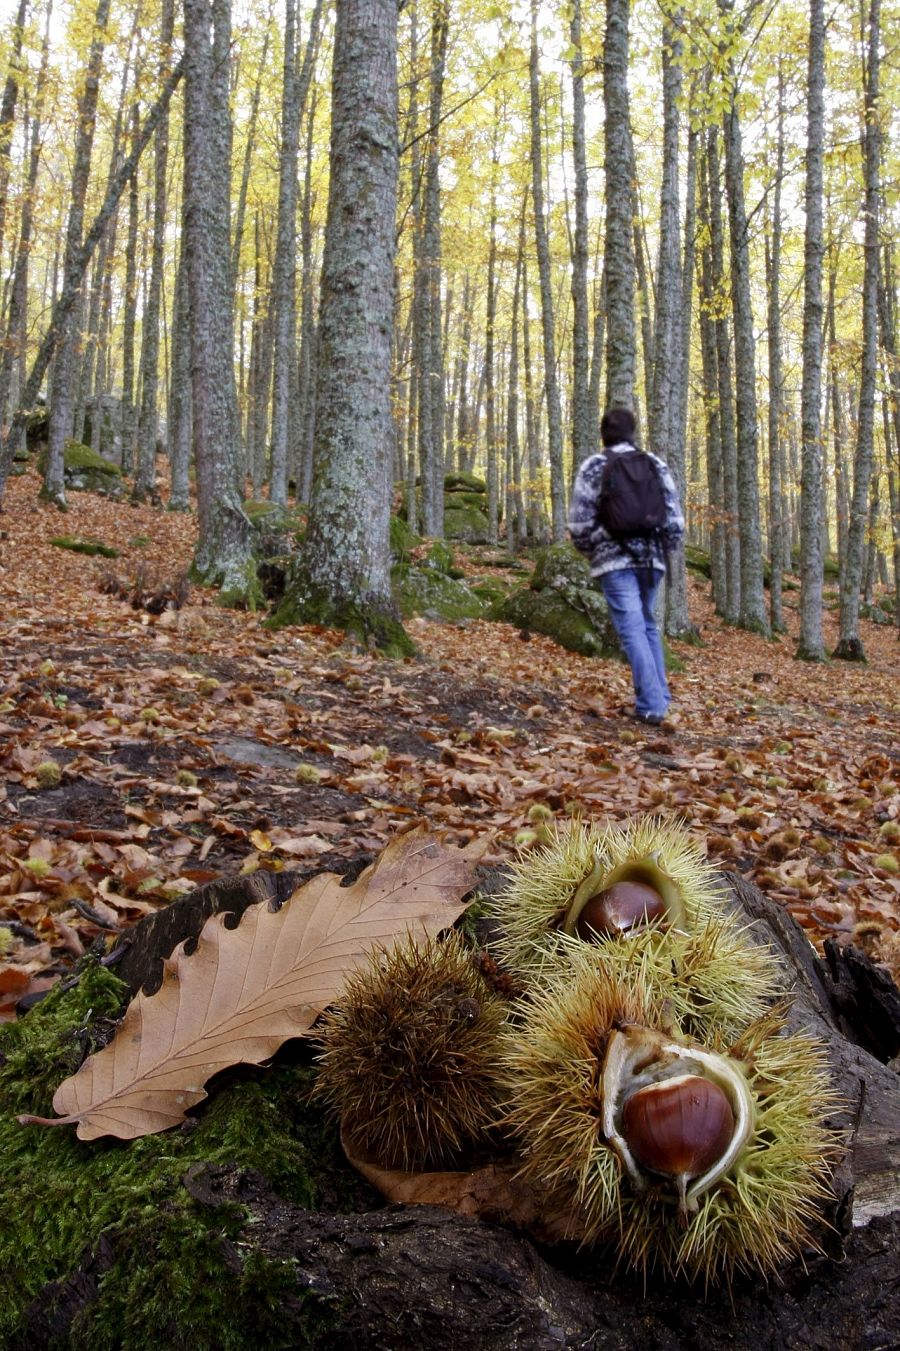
[516, 527]
[752, 614]
[490, 421]
[534, 496]
[74, 276]
[223, 555]
[284, 278]
[850, 646]
[343, 575]
[725, 389]
[431, 372]
[54, 488]
[12, 352]
[148, 422]
[776, 382]
[129, 317]
[252, 119]
[711, 404]
[811, 645]
[306, 378]
[582, 443]
[179, 424]
[551, 382]
[677, 619]
[8, 109]
[619, 256]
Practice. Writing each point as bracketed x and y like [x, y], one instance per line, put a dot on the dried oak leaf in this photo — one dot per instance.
[246, 990]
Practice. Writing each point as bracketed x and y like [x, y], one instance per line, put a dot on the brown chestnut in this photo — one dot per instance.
[620, 908]
[680, 1126]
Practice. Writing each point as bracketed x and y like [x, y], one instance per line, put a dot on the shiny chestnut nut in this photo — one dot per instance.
[679, 1127]
[620, 908]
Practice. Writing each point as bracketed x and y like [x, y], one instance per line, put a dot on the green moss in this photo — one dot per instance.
[697, 560]
[78, 457]
[422, 590]
[403, 541]
[550, 613]
[560, 563]
[439, 558]
[182, 1273]
[369, 622]
[84, 546]
[466, 523]
[462, 481]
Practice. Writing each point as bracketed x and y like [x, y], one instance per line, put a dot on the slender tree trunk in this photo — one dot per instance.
[711, 403]
[306, 382]
[431, 372]
[515, 509]
[752, 614]
[678, 621]
[8, 109]
[284, 280]
[74, 276]
[582, 444]
[179, 424]
[776, 383]
[597, 360]
[12, 352]
[850, 645]
[148, 421]
[619, 257]
[534, 496]
[811, 646]
[54, 488]
[223, 555]
[343, 576]
[551, 383]
[493, 503]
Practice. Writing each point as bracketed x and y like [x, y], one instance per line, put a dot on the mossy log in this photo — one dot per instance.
[284, 1265]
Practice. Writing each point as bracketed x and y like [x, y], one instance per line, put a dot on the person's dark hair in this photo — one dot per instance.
[617, 424]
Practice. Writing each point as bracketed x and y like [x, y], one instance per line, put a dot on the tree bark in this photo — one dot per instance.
[223, 554]
[551, 381]
[850, 646]
[148, 422]
[752, 613]
[54, 487]
[582, 443]
[811, 645]
[74, 276]
[621, 354]
[343, 575]
[776, 381]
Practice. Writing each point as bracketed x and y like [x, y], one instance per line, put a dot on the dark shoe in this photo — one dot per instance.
[651, 719]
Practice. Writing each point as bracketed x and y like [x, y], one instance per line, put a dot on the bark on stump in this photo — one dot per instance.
[423, 1277]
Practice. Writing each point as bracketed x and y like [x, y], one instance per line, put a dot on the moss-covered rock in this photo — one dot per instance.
[549, 613]
[173, 1273]
[697, 560]
[425, 591]
[439, 558]
[562, 603]
[464, 482]
[491, 590]
[86, 471]
[468, 524]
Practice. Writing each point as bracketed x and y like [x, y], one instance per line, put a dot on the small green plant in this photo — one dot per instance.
[48, 774]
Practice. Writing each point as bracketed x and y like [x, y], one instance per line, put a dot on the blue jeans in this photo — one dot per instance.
[630, 594]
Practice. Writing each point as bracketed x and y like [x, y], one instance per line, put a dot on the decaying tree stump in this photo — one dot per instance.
[422, 1277]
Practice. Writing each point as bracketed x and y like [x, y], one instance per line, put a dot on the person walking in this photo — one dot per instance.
[626, 517]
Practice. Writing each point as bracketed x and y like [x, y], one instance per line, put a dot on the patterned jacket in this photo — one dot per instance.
[589, 537]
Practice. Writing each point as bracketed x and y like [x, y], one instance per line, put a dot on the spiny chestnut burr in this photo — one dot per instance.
[620, 908]
[679, 1127]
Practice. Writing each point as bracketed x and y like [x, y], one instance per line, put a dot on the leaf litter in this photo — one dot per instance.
[790, 772]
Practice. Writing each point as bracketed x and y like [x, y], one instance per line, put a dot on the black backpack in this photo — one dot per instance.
[632, 499]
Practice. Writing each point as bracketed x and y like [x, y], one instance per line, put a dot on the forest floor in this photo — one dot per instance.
[195, 743]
